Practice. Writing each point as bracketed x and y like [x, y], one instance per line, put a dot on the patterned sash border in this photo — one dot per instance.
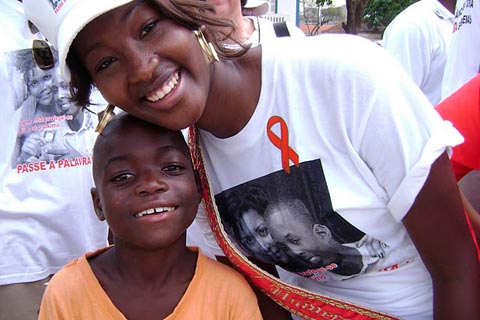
[298, 301]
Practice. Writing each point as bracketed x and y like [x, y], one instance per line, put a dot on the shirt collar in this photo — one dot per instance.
[441, 11]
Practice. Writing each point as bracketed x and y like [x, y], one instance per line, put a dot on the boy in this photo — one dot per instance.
[148, 192]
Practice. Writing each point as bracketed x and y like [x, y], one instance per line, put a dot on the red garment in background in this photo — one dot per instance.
[462, 108]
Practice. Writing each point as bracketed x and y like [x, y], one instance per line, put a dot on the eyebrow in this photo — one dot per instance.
[128, 13]
[159, 152]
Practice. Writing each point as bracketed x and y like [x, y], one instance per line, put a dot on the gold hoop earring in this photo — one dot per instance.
[207, 47]
[106, 115]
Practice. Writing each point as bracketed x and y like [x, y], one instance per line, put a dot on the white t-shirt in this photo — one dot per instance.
[419, 38]
[365, 137]
[46, 212]
[264, 32]
[463, 62]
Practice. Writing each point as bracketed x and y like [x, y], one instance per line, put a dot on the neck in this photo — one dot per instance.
[449, 4]
[233, 95]
[150, 268]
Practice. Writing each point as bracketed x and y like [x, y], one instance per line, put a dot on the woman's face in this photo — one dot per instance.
[257, 238]
[40, 83]
[147, 65]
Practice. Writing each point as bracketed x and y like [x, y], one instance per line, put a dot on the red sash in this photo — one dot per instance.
[300, 302]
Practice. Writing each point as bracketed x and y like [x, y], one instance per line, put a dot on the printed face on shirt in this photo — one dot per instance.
[62, 97]
[257, 239]
[40, 85]
[146, 64]
[290, 225]
[146, 187]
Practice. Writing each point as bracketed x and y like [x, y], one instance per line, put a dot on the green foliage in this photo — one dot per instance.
[381, 12]
[323, 2]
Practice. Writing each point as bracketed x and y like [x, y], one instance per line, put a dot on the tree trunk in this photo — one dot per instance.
[355, 10]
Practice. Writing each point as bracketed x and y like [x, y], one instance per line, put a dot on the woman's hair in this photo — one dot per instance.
[191, 14]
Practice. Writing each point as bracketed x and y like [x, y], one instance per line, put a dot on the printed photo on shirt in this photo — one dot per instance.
[51, 127]
[287, 219]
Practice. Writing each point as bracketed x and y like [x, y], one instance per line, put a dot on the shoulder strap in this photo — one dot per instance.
[281, 29]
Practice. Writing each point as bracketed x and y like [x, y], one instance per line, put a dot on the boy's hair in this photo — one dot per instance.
[192, 14]
[118, 120]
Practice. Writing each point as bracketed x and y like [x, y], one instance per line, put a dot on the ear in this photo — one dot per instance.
[97, 206]
[322, 231]
[198, 183]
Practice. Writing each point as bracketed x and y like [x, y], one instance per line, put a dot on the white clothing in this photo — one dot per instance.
[351, 118]
[46, 212]
[463, 62]
[419, 38]
[264, 32]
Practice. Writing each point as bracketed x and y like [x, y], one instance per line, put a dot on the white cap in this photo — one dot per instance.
[261, 6]
[61, 20]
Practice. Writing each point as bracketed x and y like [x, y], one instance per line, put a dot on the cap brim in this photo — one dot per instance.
[74, 21]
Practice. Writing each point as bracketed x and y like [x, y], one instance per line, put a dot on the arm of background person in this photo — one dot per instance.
[437, 226]
[270, 309]
[473, 215]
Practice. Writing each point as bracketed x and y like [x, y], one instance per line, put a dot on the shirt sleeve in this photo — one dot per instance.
[402, 136]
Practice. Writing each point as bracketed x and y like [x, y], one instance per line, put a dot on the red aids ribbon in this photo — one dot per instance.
[282, 142]
[305, 304]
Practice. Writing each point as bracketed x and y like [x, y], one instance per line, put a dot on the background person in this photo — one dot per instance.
[419, 38]
[252, 29]
[463, 64]
[381, 147]
[463, 61]
[46, 216]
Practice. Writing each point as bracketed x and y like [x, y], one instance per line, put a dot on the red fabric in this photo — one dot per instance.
[462, 108]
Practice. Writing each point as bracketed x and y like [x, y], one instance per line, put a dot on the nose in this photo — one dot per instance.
[150, 182]
[142, 64]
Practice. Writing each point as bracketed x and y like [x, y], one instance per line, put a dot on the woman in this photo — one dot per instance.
[351, 133]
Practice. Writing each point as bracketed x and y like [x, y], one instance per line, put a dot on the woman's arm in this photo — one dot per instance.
[437, 226]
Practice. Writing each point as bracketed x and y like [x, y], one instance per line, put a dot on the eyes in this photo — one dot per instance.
[294, 240]
[124, 177]
[35, 83]
[262, 231]
[145, 30]
[248, 241]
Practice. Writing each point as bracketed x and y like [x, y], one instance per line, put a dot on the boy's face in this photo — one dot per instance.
[146, 188]
[287, 226]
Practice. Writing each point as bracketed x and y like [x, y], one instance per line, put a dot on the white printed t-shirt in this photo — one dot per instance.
[365, 137]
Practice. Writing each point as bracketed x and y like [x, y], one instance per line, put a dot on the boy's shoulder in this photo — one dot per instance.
[77, 271]
[217, 273]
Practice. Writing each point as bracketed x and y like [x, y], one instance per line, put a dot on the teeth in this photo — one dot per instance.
[165, 89]
[153, 211]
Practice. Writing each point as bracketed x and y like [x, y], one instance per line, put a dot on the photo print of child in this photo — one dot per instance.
[297, 229]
